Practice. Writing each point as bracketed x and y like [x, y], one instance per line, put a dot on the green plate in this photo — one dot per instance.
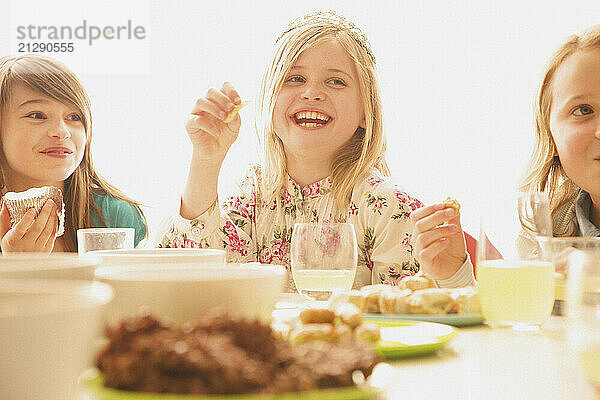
[411, 338]
[448, 319]
[94, 382]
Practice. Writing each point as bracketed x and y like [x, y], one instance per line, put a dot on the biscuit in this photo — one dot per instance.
[316, 315]
[231, 114]
[368, 333]
[313, 331]
[349, 314]
[450, 202]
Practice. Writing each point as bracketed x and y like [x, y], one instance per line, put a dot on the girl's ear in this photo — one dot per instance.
[555, 153]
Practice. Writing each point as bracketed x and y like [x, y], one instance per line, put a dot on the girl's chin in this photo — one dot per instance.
[57, 179]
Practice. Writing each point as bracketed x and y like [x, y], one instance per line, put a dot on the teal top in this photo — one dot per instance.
[118, 214]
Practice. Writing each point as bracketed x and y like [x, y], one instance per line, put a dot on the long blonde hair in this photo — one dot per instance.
[52, 78]
[366, 148]
[544, 171]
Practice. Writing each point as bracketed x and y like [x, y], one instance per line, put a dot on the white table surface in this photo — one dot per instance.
[485, 363]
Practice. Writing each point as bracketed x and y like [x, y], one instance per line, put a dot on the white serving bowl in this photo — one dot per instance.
[161, 256]
[180, 292]
[48, 266]
[47, 333]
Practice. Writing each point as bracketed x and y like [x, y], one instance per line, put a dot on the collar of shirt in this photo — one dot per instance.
[583, 204]
[312, 191]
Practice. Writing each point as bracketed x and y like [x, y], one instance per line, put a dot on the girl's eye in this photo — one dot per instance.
[36, 115]
[295, 79]
[74, 117]
[583, 110]
[337, 82]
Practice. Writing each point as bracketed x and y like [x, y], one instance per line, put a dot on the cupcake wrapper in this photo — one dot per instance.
[19, 203]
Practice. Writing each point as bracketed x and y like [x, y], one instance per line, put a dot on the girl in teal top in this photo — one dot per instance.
[45, 138]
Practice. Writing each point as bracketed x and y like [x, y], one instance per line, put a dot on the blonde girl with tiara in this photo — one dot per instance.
[565, 161]
[45, 138]
[324, 159]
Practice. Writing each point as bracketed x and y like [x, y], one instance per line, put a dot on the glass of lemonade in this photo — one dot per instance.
[583, 314]
[323, 258]
[515, 277]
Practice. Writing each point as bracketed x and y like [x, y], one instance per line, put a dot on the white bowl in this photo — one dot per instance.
[47, 332]
[180, 292]
[160, 256]
[48, 266]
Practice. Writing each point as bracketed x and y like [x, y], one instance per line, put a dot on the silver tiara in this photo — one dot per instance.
[330, 17]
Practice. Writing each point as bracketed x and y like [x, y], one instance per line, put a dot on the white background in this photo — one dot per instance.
[458, 80]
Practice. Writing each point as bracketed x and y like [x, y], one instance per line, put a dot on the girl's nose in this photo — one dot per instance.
[312, 93]
[59, 131]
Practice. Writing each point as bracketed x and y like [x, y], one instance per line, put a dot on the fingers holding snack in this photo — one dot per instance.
[220, 99]
[24, 235]
[37, 217]
[223, 104]
[438, 238]
[427, 218]
[204, 107]
[197, 125]
[38, 232]
[20, 229]
[44, 219]
[435, 235]
[432, 228]
[231, 93]
[213, 124]
[47, 235]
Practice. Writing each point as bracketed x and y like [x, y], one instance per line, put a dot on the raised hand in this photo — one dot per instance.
[438, 239]
[211, 139]
[210, 135]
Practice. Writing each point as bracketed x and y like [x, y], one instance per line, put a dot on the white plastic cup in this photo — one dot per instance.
[90, 239]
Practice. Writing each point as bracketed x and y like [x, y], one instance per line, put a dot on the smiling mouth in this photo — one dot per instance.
[311, 119]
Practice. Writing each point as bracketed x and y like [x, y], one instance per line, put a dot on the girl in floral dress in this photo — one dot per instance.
[324, 161]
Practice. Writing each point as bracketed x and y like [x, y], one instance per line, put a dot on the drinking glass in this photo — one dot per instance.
[323, 258]
[583, 314]
[91, 239]
[559, 248]
[515, 277]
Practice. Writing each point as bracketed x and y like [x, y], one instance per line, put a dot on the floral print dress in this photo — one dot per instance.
[251, 229]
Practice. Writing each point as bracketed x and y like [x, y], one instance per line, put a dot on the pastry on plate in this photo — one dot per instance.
[394, 301]
[431, 301]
